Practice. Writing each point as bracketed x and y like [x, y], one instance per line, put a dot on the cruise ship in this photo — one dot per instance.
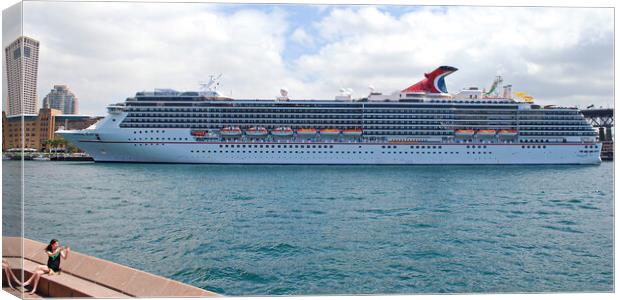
[421, 124]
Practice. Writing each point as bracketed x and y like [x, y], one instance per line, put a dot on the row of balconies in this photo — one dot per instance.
[449, 115]
[356, 122]
[368, 127]
[397, 131]
[365, 120]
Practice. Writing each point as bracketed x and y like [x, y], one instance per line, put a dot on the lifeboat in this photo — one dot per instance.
[306, 131]
[330, 131]
[507, 132]
[464, 132]
[486, 132]
[199, 133]
[230, 131]
[352, 132]
[256, 131]
[282, 131]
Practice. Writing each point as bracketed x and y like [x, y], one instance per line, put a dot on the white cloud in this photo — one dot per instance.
[545, 51]
[108, 51]
[300, 36]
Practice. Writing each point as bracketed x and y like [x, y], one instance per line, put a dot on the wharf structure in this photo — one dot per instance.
[603, 120]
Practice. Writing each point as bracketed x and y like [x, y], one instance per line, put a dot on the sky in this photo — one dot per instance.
[106, 52]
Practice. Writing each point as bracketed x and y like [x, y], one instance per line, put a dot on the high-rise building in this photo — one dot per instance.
[61, 98]
[22, 64]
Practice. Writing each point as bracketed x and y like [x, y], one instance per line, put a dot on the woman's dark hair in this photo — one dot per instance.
[49, 247]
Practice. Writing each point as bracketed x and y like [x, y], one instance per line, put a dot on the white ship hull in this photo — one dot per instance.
[178, 146]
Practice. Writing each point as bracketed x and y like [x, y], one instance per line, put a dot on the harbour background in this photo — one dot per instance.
[302, 230]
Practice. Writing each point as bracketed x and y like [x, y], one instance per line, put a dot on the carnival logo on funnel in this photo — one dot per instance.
[433, 82]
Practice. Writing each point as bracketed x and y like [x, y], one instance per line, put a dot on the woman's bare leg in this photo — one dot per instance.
[36, 282]
[8, 272]
[39, 269]
[14, 277]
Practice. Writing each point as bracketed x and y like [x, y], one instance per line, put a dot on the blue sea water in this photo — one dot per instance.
[314, 230]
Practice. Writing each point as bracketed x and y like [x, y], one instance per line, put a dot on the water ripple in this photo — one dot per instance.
[346, 230]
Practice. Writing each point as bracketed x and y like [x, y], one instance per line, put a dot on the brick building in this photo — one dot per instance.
[39, 128]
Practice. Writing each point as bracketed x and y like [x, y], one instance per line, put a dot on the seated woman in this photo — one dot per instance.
[54, 253]
[9, 273]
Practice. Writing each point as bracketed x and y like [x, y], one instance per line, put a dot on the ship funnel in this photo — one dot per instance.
[433, 81]
[508, 91]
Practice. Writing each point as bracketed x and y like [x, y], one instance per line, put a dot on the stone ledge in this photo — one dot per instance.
[64, 285]
[87, 276]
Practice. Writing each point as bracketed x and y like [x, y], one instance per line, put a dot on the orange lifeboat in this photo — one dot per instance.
[508, 132]
[464, 132]
[230, 131]
[330, 131]
[486, 132]
[198, 132]
[306, 131]
[282, 131]
[352, 132]
[256, 131]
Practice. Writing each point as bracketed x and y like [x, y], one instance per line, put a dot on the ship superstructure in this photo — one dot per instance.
[422, 124]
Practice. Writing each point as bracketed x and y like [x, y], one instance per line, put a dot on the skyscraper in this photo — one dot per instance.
[63, 99]
[22, 64]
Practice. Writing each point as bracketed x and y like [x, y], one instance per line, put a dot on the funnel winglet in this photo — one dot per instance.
[433, 81]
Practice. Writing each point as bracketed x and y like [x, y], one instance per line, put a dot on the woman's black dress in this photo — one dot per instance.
[53, 262]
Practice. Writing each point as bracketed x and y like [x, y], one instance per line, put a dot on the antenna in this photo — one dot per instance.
[283, 95]
[208, 86]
